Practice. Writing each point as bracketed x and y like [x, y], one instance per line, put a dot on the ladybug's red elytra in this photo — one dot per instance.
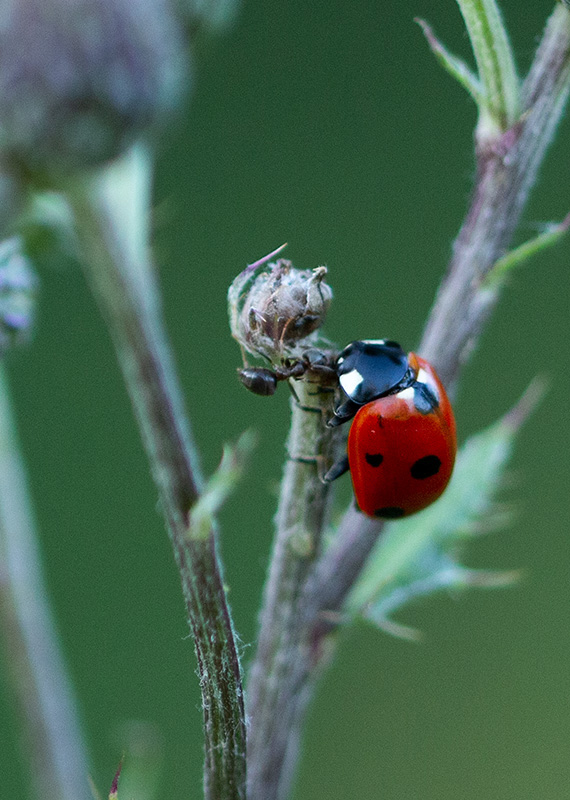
[402, 441]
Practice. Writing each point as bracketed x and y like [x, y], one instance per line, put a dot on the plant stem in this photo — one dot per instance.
[495, 65]
[505, 174]
[506, 171]
[275, 694]
[122, 277]
[52, 737]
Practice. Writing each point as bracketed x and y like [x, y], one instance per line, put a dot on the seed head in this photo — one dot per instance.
[80, 79]
[276, 309]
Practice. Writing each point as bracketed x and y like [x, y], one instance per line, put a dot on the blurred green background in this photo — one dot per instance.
[328, 125]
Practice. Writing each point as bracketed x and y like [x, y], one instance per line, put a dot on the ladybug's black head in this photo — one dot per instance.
[368, 369]
[371, 368]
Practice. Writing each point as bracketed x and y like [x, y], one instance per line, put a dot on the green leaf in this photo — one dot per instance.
[495, 65]
[418, 556]
[114, 792]
[141, 769]
[503, 266]
[454, 65]
[47, 222]
[219, 486]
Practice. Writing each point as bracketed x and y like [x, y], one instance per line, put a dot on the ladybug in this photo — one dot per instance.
[402, 441]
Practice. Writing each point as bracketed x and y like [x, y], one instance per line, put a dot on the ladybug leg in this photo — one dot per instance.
[325, 373]
[343, 413]
[337, 470]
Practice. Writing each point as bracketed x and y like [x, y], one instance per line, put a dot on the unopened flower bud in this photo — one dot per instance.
[18, 285]
[276, 309]
[80, 79]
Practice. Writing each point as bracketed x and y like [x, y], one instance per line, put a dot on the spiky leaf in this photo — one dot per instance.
[419, 555]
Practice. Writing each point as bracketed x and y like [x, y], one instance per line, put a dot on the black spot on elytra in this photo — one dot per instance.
[374, 459]
[425, 467]
[390, 512]
[425, 399]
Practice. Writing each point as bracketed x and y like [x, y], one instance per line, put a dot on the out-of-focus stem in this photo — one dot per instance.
[114, 249]
[51, 734]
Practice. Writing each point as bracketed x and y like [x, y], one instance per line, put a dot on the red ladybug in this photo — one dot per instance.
[402, 443]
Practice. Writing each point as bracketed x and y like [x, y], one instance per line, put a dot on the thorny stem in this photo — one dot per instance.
[123, 282]
[506, 171]
[52, 739]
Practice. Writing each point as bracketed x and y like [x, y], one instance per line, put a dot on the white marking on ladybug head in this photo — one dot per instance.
[350, 381]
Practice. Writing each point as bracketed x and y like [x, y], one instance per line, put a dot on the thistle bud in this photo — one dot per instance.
[80, 79]
[18, 285]
[275, 309]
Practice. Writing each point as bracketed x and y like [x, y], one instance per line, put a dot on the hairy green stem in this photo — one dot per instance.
[495, 66]
[122, 277]
[51, 737]
[274, 691]
[506, 171]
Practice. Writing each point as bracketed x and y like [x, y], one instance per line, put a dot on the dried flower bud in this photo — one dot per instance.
[275, 309]
[18, 285]
[80, 79]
